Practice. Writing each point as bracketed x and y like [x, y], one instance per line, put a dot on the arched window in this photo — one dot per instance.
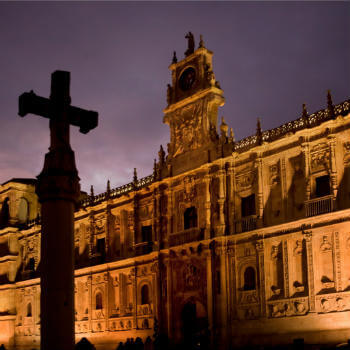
[99, 303]
[31, 264]
[144, 294]
[29, 310]
[190, 218]
[5, 213]
[23, 211]
[249, 279]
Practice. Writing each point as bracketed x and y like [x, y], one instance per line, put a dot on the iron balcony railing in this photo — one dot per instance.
[317, 206]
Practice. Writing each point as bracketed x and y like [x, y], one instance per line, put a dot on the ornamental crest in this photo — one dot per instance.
[192, 277]
[245, 180]
[189, 189]
[347, 153]
[320, 156]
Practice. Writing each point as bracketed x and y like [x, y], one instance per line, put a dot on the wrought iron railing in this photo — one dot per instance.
[247, 223]
[186, 236]
[319, 206]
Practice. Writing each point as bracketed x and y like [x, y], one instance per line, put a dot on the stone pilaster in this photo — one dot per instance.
[170, 214]
[221, 201]
[284, 188]
[310, 269]
[337, 262]
[207, 180]
[306, 164]
[230, 199]
[333, 170]
[260, 252]
[260, 202]
[285, 268]
[210, 292]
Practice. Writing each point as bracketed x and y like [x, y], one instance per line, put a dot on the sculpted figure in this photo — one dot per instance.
[190, 49]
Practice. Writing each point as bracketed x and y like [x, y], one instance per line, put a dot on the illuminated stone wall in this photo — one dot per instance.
[252, 238]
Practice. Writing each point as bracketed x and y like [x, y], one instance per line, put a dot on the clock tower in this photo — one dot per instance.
[193, 100]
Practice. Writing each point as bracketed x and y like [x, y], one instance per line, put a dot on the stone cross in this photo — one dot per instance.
[58, 190]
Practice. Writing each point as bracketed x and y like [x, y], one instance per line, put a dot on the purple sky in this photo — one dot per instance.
[269, 57]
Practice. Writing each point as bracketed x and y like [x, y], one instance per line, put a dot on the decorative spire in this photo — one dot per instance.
[223, 127]
[330, 106]
[92, 191]
[174, 58]
[305, 114]
[155, 169]
[134, 179]
[259, 133]
[232, 136]
[108, 186]
[161, 155]
[201, 42]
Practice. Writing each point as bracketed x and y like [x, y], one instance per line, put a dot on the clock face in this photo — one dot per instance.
[187, 79]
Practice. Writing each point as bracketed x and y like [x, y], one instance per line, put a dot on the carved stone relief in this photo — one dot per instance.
[346, 146]
[245, 179]
[320, 157]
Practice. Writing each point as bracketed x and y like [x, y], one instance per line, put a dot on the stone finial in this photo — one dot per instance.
[155, 168]
[201, 42]
[259, 132]
[232, 136]
[92, 191]
[134, 179]
[305, 114]
[190, 45]
[161, 155]
[330, 106]
[108, 186]
[174, 58]
[223, 127]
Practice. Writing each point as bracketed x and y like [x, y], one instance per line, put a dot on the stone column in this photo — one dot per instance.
[285, 268]
[58, 191]
[210, 301]
[260, 207]
[207, 179]
[310, 269]
[337, 262]
[333, 170]
[306, 163]
[221, 201]
[260, 251]
[230, 199]
[170, 294]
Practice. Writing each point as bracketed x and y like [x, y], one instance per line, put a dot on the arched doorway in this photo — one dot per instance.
[189, 322]
[194, 325]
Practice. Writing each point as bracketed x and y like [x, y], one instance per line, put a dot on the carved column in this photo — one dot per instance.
[207, 179]
[92, 234]
[169, 273]
[169, 216]
[89, 287]
[333, 172]
[306, 162]
[221, 202]
[284, 188]
[136, 219]
[210, 301]
[230, 199]
[310, 269]
[260, 209]
[285, 268]
[337, 262]
[133, 273]
[261, 263]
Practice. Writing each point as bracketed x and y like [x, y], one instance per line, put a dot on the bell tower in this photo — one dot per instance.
[193, 99]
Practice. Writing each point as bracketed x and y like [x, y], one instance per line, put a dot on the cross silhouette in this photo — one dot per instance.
[58, 109]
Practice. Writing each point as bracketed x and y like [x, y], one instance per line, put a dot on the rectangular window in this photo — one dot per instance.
[248, 205]
[101, 249]
[146, 233]
[323, 187]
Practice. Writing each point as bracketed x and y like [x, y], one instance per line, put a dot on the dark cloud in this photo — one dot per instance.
[269, 57]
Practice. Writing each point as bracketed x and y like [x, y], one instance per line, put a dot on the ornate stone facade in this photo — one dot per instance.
[249, 240]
